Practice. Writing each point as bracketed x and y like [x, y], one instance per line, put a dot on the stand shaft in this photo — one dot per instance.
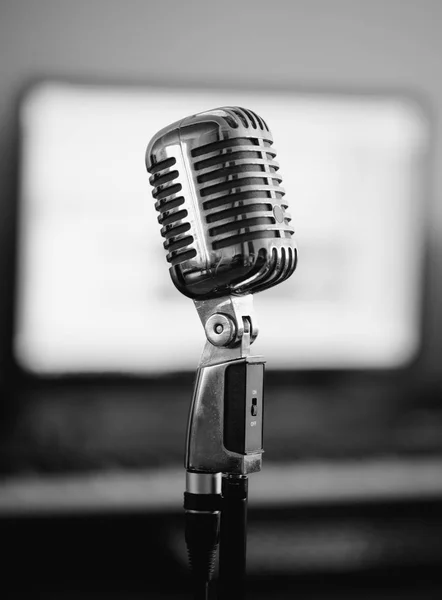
[233, 538]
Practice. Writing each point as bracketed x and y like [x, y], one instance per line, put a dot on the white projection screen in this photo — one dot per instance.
[94, 292]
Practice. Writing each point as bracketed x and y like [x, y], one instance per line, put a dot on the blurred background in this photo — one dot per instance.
[94, 384]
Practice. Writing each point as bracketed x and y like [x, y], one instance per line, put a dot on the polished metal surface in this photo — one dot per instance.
[205, 450]
[203, 483]
[223, 213]
[228, 235]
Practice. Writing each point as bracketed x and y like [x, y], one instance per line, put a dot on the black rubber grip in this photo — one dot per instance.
[202, 537]
[202, 502]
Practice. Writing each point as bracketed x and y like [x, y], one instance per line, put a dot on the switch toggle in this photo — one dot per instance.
[254, 407]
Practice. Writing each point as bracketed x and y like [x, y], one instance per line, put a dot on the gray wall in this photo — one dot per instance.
[357, 44]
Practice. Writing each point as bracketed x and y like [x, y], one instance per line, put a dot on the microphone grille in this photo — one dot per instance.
[222, 207]
[239, 185]
[173, 216]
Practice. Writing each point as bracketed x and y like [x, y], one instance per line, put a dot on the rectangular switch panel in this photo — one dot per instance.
[254, 407]
[243, 407]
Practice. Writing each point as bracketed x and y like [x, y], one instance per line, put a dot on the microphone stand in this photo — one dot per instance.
[224, 441]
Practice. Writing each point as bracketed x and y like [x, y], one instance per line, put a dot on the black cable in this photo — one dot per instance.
[233, 538]
[201, 590]
[202, 537]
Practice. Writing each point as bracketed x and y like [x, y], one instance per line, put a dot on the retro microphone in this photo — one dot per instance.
[227, 234]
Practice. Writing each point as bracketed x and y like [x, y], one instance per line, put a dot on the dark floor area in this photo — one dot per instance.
[357, 552]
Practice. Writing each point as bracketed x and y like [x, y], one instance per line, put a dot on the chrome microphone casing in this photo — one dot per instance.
[227, 235]
[222, 209]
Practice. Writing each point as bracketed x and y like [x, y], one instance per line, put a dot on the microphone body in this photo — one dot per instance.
[222, 209]
[227, 234]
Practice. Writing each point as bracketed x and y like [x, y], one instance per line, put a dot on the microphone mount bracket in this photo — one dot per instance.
[224, 433]
[229, 323]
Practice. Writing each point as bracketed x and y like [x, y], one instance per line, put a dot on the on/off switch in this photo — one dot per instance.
[254, 407]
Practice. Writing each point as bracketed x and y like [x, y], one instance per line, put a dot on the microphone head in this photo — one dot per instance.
[222, 208]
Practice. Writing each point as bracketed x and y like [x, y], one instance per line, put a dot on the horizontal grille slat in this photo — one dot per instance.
[225, 157]
[228, 167]
[181, 243]
[167, 191]
[178, 258]
[262, 192]
[241, 224]
[157, 180]
[240, 182]
[162, 165]
[170, 232]
[165, 205]
[228, 143]
[228, 171]
[245, 237]
[166, 219]
[238, 210]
